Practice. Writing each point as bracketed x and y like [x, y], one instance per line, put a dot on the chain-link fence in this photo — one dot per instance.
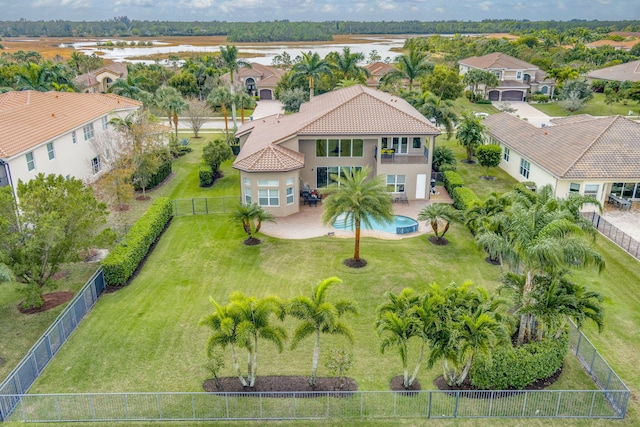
[617, 236]
[205, 205]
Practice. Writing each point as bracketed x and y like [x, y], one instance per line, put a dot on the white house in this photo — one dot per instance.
[50, 133]
[596, 156]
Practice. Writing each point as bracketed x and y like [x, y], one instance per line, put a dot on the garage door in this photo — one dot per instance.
[494, 95]
[512, 95]
[265, 94]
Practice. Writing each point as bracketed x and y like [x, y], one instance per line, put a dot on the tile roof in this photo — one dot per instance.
[264, 74]
[628, 71]
[354, 110]
[497, 61]
[622, 45]
[274, 158]
[584, 148]
[30, 118]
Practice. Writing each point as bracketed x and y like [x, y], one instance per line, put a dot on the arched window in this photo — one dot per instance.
[544, 89]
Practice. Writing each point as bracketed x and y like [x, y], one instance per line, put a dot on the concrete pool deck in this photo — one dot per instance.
[308, 222]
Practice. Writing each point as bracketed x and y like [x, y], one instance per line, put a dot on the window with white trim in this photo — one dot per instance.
[417, 142]
[269, 197]
[518, 75]
[105, 121]
[31, 161]
[505, 154]
[74, 138]
[591, 190]
[50, 151]
[247, 195]
[525, 166]
[95, 165]
[88, 131]
[268, 183]
[339, 148]
[246, 181]
[290, 197]
[395, 183]
[574, 188]
[324, 174]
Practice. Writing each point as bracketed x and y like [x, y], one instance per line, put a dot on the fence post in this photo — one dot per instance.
[593, 401]
[593, 359]
[93, 409]
[260, 405]
[227, 404]
[361, 405]
[524, 403]
[558, 404]
[579, 340]
[126, 408]
[455, 410]
[429, 405]
[159, 406]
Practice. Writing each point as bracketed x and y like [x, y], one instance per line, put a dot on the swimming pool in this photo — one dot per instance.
[399, 225]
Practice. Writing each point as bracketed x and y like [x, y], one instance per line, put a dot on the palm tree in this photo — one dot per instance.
[411, 67]
[398, 323]
[438, 111]
[224, 335]
[34, 77]
[221, 96]
[470, 134]
[251, 216]
[229, 56]
[245, 101]
[476, 77]
[345, 65]
[440, 213]
[130, 87]
[539, 235]
[253, 318]
[320, 316]
[358, 200]
[312, 68]
[171, 101]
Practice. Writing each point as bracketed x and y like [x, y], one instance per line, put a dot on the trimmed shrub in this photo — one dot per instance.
[517, 367]
[205, 173]
[124, 259]
[484, 101]
[164, 171]
[464, 198]
[540, 98]
[452, 180]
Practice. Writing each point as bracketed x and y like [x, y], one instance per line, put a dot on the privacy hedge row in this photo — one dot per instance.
[123, 260]
[517, 367]
[464, 198]
[452, 180]
[163, 171]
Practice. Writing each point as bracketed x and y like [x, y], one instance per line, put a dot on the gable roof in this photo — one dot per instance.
[585, 148]
[622, 72]
[497, 61]
[30, 118]
[354, 110]
[266, 75]
[91, 78]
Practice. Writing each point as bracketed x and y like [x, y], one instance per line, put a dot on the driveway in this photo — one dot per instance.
[525, 111]
[266, 108]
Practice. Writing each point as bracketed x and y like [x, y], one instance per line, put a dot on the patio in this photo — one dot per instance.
[308, 222]
[627, 220]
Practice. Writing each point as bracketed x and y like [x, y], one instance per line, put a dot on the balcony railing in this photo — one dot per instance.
[403, 159]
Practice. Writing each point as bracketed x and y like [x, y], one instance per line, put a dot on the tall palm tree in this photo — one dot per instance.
[437, 213]
[345, 65]
[254, 322]
[312, 68]
[470, 134]
[438, 111]
[251, 216]
[320, 316]
[244, 100]
[34, 77]
[224, 335]
[358, 200]
[410, 66]
[539, 236]
[171, 101]
[229, 56]
[130, 87]
[476, 77]
[221, 96]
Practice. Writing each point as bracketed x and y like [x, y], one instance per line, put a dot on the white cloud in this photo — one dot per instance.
[328, 8]
[387, 5]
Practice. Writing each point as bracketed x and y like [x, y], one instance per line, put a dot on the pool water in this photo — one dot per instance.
[399, 225]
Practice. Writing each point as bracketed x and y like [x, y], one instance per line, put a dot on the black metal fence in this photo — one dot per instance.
[205, 205]
[31, 366]
[617, 236]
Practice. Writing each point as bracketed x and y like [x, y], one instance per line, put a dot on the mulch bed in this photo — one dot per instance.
[492, 261]
[467, 386]
[396, 385]
[51, 300]
[352, 263]
[251, 241]
[281, 384]
[439, 241]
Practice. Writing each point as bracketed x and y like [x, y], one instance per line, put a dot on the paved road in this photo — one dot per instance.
[263, 109]
[525, 111]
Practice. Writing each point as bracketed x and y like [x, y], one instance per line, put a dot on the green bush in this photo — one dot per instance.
[517, 367]
[448, 167]
[452, 180]
[483, 101]
[541, 98]
[464, 198]
[163, 171]
[205, 173]
[124, 259]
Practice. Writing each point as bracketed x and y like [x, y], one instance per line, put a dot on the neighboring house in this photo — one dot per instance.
[595, 156]
[333, 133]
[377, 71]
[50, 133]
[625, 45]
[629, 71]
[260, 80]
[517, 79]
[100, 80]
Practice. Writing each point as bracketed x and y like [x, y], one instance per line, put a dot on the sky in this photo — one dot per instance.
[320, 10]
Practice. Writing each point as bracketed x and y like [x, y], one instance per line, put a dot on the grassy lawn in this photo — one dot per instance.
[595, 107]
[462, 104]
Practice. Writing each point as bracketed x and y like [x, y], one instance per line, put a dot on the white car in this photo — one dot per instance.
[482, 115]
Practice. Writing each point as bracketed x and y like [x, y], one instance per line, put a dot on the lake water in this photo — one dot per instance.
[264, 53]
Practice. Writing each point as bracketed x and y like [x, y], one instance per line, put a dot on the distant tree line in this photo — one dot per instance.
[285, 30]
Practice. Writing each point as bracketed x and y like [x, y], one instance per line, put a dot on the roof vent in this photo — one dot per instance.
[53, 114]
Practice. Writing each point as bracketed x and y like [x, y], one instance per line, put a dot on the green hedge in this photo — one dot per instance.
[464, 198]
[163, 171]
[205, 174]
[452, 180]
[123, 260]
[517, 367]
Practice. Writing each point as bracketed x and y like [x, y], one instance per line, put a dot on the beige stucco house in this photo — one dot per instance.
[596, 156]
[51, 133]
[517, 79]
[333, 133]
[100, 80]
[259, 80]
